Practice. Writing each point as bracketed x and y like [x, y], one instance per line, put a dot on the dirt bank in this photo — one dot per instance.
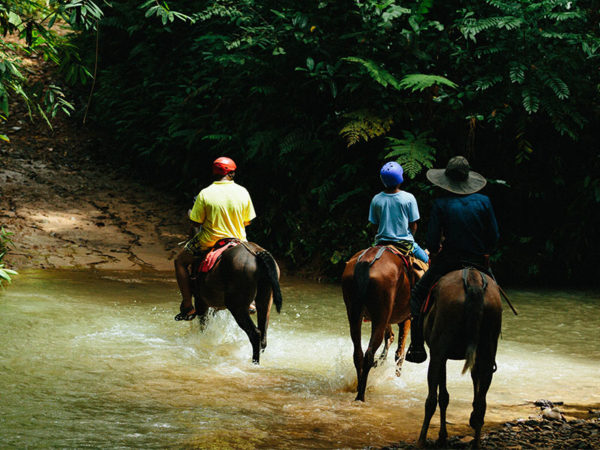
[68, 210]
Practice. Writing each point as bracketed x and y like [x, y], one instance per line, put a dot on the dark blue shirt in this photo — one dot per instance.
[467, 223]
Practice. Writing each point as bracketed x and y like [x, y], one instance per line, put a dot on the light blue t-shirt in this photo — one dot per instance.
[392, 213]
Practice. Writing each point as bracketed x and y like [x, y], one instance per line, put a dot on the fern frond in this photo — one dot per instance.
[531, 101]
[419, 82]
[517, 73]
[296, 140]
[217, 137]
[510, 22]
[364, 127]
[261, 141]
[414, 153]
[378, 73]
[484, 51]
[558, 86]
[486, 83]
[564, 15]
[499, 4]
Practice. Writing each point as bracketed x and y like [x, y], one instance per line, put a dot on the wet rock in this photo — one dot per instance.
[552, 414]
[531, 434]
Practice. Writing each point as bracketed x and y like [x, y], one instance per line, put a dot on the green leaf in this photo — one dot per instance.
[376, 72]
[517, 73]
[419, 82]
[414, 152]
[310, 63]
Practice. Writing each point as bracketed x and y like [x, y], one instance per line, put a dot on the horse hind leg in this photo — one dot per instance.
[202, 311]
[264, 301]
[377, 332]
[434, 373]
[355, 321]
[388, 339]
[403, 331]
[239, 309]
[482, 379]
[443, 401]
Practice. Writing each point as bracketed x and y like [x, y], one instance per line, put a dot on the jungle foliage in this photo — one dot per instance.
[39, 28]
[310, 98]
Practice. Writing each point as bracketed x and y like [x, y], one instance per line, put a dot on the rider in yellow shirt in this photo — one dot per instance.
[223, 210]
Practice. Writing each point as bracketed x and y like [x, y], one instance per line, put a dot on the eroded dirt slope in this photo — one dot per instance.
[67, 210]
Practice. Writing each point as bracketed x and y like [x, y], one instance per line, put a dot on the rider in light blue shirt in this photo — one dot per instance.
[395, 213]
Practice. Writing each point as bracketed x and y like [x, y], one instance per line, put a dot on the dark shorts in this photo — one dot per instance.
[193, 246]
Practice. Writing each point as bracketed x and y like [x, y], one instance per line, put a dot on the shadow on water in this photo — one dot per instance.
[96, 359]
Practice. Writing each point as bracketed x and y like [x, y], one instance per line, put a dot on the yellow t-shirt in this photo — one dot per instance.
[224, 209]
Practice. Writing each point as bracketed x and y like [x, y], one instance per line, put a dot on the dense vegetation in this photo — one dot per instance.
[310, 98]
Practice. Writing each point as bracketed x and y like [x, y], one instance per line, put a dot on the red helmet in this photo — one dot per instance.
[223, 165]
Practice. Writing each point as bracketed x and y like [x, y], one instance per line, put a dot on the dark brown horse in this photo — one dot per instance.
[376, 284]
[463, 323]
[245, 273]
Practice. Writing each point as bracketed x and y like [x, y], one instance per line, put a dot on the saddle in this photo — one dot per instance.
[414, 266]
[214, 255]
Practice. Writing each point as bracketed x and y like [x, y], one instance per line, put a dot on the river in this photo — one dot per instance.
[95, 359]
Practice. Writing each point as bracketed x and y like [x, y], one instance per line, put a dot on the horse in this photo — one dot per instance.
[376, 285]
[244, 273]
[463, 323]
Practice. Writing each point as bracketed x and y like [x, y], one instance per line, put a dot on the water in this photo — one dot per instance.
[96, 359]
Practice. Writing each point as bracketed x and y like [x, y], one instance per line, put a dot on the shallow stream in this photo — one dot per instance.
[96, 359]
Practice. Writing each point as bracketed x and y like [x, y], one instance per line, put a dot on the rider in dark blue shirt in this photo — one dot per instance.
[462, 232]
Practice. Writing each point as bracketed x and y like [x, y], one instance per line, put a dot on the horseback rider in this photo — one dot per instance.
[395, 212]
[462, 232]
[222, 210]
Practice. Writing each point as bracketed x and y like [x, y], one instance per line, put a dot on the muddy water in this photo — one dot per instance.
[96, 359]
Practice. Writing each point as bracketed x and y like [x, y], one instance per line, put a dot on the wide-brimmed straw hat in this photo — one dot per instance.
[457, 177]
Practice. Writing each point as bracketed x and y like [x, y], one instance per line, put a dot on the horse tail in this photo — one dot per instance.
[270, 265]
[473, 315]
[361, 277]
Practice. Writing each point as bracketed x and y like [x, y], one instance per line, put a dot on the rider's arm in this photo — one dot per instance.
[412, 227]
[194, 228]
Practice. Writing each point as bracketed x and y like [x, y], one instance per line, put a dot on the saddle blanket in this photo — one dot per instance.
[215, 253]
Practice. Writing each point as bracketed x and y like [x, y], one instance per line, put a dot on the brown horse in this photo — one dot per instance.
[463, 323]
[376, 284]
[245, 273]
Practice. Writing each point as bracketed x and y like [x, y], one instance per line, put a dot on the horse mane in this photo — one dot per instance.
[473, 314]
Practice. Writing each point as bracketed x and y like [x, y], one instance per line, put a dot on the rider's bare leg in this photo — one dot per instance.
[182, 262]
